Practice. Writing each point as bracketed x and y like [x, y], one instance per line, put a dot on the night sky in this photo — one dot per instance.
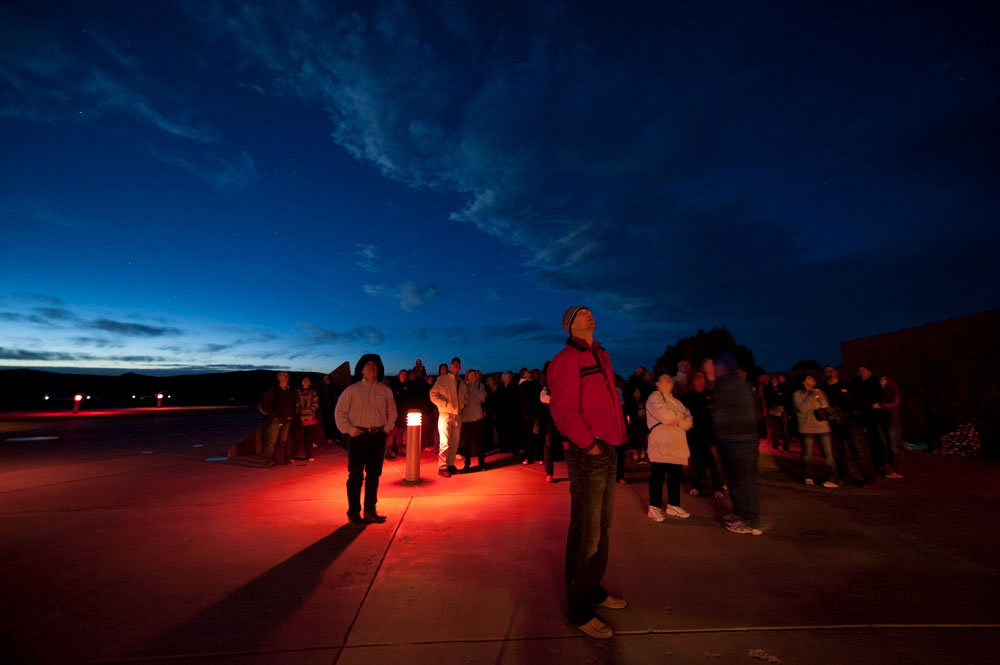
[194, 186]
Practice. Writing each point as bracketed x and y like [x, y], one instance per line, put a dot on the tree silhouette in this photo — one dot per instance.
[707, 345]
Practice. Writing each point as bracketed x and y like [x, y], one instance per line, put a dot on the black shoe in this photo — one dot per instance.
[452, 469]
[444, 473]
[374, 517]
[356, 521]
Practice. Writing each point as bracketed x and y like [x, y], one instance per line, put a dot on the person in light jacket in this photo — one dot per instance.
[449, 395]
[473, 421]
[667, 420]
[807, 399]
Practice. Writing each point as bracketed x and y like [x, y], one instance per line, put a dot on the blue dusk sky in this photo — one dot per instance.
[203, 185]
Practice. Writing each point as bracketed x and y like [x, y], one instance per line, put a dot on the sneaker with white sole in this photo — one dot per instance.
[655, 514]
[830, 484]
[739, 527]
[677, 511]
[810, 481]
[694, 492]
[612, 603]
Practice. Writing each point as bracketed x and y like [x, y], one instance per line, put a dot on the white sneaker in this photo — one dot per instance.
[809, 481]
[677, 511]
[694, 492]
[655, 514]
[830, 484]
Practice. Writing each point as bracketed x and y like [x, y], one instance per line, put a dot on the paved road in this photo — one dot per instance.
[108, 555]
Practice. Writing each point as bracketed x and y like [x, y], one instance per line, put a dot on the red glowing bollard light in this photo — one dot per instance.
[413, 424]
[77, 398]
[159, 400]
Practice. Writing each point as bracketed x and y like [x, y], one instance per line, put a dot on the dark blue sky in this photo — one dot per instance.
[216, 185]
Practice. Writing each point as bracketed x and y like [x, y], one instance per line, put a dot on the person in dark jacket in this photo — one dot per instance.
[528, 392]
[889, 426]
[588, 413]
[401, 386]
[701, 441]
[737, 425]
[508, 415]
[278, 407]
[869, 393]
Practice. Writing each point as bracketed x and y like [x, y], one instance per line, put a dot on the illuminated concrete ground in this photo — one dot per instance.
[118, 543]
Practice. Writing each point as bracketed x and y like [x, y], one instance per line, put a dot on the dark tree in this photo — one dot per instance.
[707, 345]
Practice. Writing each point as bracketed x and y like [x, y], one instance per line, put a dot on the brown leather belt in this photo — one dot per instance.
[372, 430]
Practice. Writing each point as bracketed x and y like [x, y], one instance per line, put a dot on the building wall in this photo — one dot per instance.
[948, 373]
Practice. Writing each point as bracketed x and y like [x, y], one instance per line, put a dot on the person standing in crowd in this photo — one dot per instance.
[701, 441]
[737, 426]
[775, 412]
[420, 394]
[889, 426]
[473, 420]
[366, 410]
[449, 395]
[401, 393]
[546, 427]
[490, 409]
[667, 420]
[682, 378]
[528, 391]
[508, 415]
[278, 407]
[870, 393]
[846, 432]
[807, 399]
[307, 410]
[586, 409]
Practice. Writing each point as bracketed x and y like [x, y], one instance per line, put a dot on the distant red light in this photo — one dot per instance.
[78, 397]
[159, 395]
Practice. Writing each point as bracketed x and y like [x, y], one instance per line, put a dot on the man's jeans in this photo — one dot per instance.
[450, 429]
[592, 500]
[826, 445]
[740, 460]
[365, 453]
[275, 432]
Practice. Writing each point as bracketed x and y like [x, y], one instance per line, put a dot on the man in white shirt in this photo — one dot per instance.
[449, 395]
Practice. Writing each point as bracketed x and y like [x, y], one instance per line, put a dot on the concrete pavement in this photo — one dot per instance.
[162, 557]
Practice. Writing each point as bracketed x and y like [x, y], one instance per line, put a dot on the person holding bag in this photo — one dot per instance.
[668, 420]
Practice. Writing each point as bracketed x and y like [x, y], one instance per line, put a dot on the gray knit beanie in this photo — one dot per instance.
[567, 320]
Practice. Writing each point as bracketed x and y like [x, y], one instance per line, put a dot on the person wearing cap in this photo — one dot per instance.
[449, 395]
[586, 411]
[366, 411]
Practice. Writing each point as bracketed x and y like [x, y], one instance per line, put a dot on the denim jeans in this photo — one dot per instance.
[740, 460]
[592, 500]
[826, 445]
[450, 429]
[276, 440]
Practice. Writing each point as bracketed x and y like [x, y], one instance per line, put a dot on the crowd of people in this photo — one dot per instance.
[710, 421]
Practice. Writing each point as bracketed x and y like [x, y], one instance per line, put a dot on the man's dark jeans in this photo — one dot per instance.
[740, 460]
[592, 499]
[364, 465]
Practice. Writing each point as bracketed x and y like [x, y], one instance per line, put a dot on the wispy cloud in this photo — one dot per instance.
[131, 329]
[410, 295]
[368, 259]
[317, 335]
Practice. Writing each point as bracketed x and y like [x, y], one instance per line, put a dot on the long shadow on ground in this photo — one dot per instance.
[243, 620]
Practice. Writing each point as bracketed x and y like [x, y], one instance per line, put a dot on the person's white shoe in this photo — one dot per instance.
[677, 511]
[810, 481]
[597, 629]
[694, 492]
[655, 514]
[830, 484]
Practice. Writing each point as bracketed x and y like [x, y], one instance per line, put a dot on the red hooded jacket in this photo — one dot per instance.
[584, 400]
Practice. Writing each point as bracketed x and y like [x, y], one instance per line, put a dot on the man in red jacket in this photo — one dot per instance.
[587, 413]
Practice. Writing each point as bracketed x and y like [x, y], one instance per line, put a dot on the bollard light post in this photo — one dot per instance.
[77, 398]
[412, 448]
[159, 400]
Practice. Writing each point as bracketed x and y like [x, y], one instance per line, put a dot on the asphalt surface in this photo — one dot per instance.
[118, 543]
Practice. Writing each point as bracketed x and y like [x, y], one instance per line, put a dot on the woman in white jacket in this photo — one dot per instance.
[667, 420]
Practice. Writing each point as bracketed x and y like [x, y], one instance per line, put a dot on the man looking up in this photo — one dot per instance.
[366, 411]
[449, 395]
[587, 413]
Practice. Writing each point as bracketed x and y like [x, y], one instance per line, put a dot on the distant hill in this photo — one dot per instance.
[24, 389]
